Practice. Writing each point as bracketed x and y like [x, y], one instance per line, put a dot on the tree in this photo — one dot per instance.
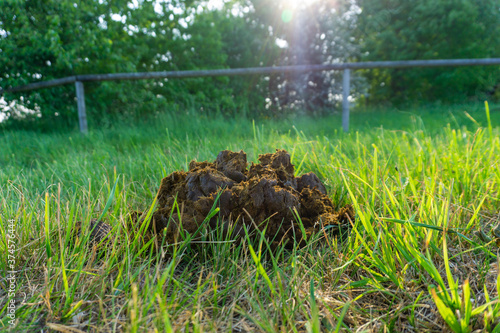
[43, 40]
[48, 39]
[426, 29]
[314, 33]
[246, 43]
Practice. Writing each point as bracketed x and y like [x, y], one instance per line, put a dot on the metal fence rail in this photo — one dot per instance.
[345, 67]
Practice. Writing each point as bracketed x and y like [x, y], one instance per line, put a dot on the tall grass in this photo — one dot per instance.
[420, 255]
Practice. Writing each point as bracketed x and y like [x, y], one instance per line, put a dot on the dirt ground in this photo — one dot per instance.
[265, 195]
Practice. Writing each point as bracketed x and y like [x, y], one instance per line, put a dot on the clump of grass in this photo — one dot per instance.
[420, 194]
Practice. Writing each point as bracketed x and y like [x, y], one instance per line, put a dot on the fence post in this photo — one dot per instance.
[80, 98]
[345, 99]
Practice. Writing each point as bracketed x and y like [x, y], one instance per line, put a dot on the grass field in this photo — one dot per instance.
[421, 255]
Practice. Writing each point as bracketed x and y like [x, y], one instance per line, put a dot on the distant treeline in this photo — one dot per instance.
[43, 40]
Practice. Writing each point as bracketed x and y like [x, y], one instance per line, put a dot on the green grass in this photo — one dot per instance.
[423, 183]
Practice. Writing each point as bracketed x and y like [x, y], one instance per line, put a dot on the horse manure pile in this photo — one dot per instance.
[265, 195]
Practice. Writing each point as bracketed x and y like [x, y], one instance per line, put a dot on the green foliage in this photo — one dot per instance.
[44, 40]
[317, 33]
[247, 44]
[63, 38]
[207, 48]
[412, 30]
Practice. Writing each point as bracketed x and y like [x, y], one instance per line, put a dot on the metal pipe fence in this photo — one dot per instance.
[345, 67]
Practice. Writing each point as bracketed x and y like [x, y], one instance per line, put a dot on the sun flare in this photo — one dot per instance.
[294, 4]
[289, 7]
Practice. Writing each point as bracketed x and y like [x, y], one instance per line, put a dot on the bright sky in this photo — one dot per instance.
[292, 4]
[295, 3]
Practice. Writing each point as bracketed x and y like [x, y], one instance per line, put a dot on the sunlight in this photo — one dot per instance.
[291, 6]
